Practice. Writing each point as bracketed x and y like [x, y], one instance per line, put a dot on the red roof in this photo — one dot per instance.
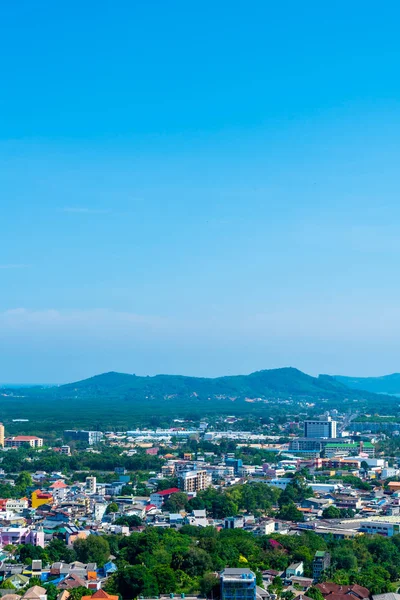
[168, 492]
[334, 591]
[23, 438]
[150, 506]
[58, 485]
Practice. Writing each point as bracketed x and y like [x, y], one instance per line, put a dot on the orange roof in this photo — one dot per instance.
[101, 594]
[58, 485]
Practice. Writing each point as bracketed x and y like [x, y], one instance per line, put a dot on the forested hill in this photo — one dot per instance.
[282, 383]
[388, 384]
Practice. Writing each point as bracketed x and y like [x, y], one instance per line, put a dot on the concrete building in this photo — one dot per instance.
[295, 570]
[23, 440]
[194, 481]
[238, 584]
[321, 563]
[320, 429]
[1, 435]
[90, 485]
[89, 437]
[158, 498]
[233, 522]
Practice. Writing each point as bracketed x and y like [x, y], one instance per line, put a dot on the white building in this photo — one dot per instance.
[90, 485]
[320, 429]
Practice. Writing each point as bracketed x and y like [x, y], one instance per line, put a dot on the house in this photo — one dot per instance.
[158, 498]
[18, 581]
[70, 582]
[198, 518]
[35, 593]
[334, 591]
[295, 570]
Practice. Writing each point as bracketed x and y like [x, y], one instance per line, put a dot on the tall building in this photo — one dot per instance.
[2, 435]
[321, 563]
[194, 481]
[320, 429]
[238, 584]
[91, 485]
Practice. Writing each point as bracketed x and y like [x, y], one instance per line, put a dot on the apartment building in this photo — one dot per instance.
[238, 584]
[1, 435]
[23, 440]
[194, 481]
[321, 563]
[90, 485]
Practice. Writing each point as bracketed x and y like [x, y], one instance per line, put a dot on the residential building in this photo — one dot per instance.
[158, 498]
[233, 522]
[23, 440]
[194, 481]
[65, 450]
[90, 485]
[320, 429]
[321, 563]
[16, 505]
[59, 490]
[2, 435]
[335, 591]
[39, 498]
[21, 535]
[295, 570]
[238, 584]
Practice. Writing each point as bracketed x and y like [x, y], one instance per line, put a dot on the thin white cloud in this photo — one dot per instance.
[84, 210]
[14, 266]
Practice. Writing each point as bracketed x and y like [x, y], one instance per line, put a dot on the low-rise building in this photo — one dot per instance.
[23, 440]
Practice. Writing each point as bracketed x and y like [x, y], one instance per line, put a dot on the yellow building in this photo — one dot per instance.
[2, 435]
[39, 498]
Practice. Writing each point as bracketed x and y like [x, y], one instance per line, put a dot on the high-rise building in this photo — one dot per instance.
[238, 584]
[2, 435]
[91, 485]
[320, 429]
[194, 481]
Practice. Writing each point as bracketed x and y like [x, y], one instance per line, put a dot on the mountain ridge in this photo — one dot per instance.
[282, 383]
[384, 384]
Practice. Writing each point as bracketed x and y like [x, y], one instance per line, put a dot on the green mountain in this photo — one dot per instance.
[285, 383]
[387, 384]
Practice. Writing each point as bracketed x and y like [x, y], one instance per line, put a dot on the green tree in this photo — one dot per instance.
[314, 593]
[176, 502]
[112, 508]
[290, 512]
[331, 512]
[92, 549]
[209, 585]
[166, 579]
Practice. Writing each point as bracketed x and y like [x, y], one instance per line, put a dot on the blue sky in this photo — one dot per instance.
[198, 188]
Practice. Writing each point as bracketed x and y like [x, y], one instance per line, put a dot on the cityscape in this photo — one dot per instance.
[199, 300]
[299, 510]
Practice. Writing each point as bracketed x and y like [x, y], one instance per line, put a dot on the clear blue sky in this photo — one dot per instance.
[198, 187]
